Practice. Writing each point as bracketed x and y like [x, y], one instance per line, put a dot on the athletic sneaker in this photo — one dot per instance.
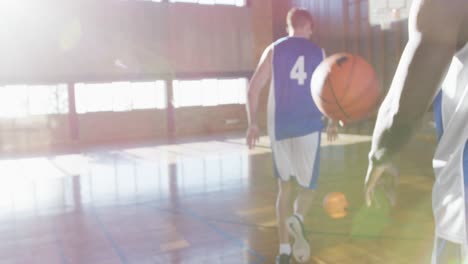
[301, 248]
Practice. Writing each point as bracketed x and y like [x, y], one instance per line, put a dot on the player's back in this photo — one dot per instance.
[291, 106]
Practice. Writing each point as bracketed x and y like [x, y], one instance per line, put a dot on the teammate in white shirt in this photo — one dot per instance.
[438, 36]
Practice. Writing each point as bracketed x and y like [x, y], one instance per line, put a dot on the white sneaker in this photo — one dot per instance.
[301, 248]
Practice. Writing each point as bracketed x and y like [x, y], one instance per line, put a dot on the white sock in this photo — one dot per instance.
[300, 217]
[285, 249]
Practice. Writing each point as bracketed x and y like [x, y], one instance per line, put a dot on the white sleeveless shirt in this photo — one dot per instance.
[448, 196]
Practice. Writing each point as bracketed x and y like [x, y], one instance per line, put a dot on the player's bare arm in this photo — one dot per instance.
[259, 80]
[434, 27]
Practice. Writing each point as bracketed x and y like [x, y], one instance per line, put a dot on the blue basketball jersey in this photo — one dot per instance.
[295, 113]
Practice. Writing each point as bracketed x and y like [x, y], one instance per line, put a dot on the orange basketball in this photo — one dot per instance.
[336, 205]
[345, 88]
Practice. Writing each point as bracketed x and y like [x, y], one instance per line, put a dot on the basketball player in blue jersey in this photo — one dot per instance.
[438, 40]
[294, 126]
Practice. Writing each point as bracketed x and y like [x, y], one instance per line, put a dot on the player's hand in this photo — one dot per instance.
[332, 131]
[253, 134]
[385, 175]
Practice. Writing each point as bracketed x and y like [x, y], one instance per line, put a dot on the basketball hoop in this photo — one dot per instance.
[384, 12]
[396, 14]
[388, 17]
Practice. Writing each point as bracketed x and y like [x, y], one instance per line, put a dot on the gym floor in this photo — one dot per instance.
[207, 200]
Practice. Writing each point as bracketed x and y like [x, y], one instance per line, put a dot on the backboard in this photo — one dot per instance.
[384, 12]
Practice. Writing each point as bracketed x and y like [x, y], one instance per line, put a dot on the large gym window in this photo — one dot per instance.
[209, 92]
[18, 101]
[212, 2]
[120, 96]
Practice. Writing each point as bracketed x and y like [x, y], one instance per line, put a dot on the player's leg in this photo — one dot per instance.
[306, 166]
[283, 210]
[282, 168]
[295, 224]
[303, 202]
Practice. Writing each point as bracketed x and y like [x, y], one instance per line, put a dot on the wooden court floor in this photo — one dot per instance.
[204, 201]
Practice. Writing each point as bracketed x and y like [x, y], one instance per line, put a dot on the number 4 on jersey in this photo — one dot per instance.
[297, 72]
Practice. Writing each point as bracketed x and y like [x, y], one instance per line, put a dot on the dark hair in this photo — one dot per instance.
[298, 17]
